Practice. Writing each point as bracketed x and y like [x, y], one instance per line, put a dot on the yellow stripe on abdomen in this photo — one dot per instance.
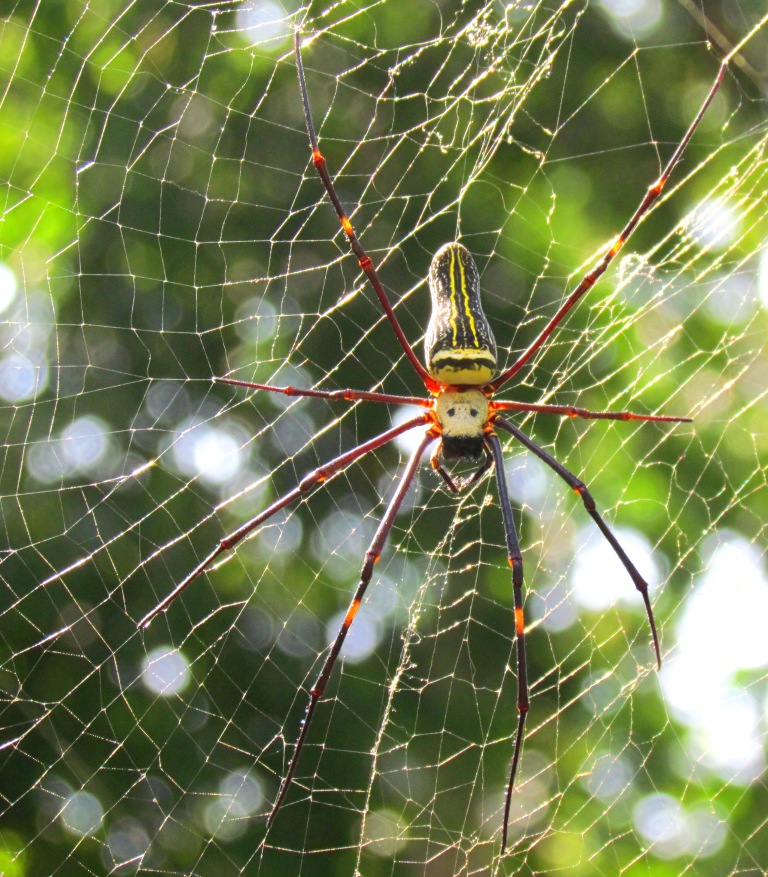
[459, 343]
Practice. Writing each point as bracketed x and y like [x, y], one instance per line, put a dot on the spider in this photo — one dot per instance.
[461, 417]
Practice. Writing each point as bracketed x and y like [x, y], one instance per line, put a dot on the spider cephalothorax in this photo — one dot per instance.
[461, 416]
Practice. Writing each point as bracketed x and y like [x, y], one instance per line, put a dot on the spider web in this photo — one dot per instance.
[162, 225]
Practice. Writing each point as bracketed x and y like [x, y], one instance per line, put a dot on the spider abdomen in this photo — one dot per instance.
[460, 347]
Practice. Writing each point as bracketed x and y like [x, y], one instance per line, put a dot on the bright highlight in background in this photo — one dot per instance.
[9, 286]
[263, 21]
[81, 449]
[762, 277]
[633, 19]
[673, 830]
[240, 795]
[82, 814]
[165, 671]
[715, 224]
[211, 452]
[720, 633]
[599, 578]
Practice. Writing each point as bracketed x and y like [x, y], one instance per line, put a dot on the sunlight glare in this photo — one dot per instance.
[9, 286]
[165, 671]
[82, 447]
[671, 830]
[126, 842]
[632, 19]
[240, 796]
[22, 377]
[262, 21]
[82, 813]
[714, 224]
[213, 453]
[599, 578]
[720, 634]
[409, 441]
[762, 277]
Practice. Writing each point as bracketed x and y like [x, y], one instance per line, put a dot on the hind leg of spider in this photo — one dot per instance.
[317, 476]
[516, 563]
[371, 558]
[578, 485]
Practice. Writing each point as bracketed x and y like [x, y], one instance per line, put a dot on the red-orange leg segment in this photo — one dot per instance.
[589, 279]
[334, 395]
[574, 411]
[371, 558]
[364, 260]
[322, 473]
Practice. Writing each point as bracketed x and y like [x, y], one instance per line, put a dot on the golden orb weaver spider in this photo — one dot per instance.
[461, 416]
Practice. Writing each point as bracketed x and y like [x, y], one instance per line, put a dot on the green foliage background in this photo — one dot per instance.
[165, 224]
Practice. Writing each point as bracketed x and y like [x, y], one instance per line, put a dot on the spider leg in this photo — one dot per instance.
[371, 558]
[574, 411]
[363, 259]
[322, 473]
[337, 395]
[437, 466]
[589, 504]
[461, 484]
[516, 562]
[592, 276]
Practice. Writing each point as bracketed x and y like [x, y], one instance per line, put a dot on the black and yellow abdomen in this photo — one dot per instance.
[460, 348]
